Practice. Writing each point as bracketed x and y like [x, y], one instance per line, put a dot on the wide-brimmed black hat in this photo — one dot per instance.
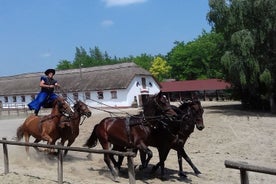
[53, 71]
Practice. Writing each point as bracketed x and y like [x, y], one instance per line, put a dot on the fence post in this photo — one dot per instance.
[60, 166]
[131, 172]
[244, 176]
[6, 156]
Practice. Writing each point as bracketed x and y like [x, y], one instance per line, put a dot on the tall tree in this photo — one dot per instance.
[97, 56]
[82, 59]
[249, 30]
[198, 59]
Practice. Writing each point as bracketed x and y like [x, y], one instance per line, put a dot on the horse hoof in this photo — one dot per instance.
[197, 172]
[114, 174]
[116, 179]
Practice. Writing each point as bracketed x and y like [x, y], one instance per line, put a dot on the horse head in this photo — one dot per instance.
[158, 104]
[62, 106]
[194, 112]
[82, 108]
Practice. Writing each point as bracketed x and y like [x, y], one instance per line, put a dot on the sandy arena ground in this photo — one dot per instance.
[229, 134]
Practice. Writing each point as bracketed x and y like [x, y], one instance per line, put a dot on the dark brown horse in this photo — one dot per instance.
[71, 123]
[44, 127]
[192, 116]
[132, 132]
[191, 113]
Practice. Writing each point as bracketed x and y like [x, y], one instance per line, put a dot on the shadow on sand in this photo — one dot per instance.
[236, 109]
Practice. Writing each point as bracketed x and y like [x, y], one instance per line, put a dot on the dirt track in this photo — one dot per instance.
[230, 134]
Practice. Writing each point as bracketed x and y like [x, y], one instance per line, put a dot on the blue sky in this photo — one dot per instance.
[37, 34]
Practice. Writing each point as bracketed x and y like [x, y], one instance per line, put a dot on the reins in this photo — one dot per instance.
[110, 112]
[116, 114]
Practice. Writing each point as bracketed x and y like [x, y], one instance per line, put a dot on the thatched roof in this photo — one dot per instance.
[117, 76]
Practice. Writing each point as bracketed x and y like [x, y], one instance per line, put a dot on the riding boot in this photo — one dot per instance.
[36, 112]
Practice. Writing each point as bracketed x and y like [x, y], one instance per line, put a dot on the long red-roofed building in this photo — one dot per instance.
[203, 88]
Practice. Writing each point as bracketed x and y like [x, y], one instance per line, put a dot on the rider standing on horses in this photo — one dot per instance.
[46, 96]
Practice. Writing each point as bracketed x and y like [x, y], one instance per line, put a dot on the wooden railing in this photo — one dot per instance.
[60, 149]
[244, 167]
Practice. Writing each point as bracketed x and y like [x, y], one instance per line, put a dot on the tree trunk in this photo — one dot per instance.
[273, 103]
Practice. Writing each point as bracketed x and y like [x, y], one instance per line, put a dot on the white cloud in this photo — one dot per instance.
[107, 23]
[110, 3]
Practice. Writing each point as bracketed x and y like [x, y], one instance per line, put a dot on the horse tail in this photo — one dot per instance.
[93, 139]
[20, 133]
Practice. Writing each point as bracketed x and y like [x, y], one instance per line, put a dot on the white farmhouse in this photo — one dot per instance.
[118, 85]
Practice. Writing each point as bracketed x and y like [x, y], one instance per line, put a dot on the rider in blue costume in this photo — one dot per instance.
[46, 95]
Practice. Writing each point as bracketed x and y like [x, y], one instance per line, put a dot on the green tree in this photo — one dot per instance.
[82, 59]
[249, 31]
[64, 65]
[96, 56]
[144, 60]
[198, 59]
[160, 69]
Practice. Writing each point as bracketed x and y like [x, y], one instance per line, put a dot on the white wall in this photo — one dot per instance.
[125, 97]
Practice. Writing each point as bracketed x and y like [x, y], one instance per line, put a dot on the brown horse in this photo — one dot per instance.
[44, 127]
[132, 132]
[192, 115]
[71, 129]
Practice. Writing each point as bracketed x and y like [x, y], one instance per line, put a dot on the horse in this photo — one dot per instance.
[71, 123]
[44, 127]
[132, 132]
[192, 115]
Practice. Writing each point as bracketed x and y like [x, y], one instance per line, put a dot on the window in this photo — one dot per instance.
[6, 99]
[33, 97]
[14, 99]
[76, 96]
[87, 95]
[143, 82]
[23, 99]
[113, 94]
[100, 95]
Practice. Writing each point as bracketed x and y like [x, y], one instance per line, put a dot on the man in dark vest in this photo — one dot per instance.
[46, 96]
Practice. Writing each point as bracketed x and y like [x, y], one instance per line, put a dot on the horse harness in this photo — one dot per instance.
[163, 122]
[132, 121]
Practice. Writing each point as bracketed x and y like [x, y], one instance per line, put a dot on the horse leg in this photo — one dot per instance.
[179, 158]
[105, 146]
[36, 148]
[114, 161]
[111, 168]
[118, 163]
[49, 140]
[163, 153]
[187, 158]
[70, 142]
[145, 156]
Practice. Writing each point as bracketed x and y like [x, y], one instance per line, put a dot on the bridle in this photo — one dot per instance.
[63, 110]
[77, 107]
[190, 116]
[163, 110]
